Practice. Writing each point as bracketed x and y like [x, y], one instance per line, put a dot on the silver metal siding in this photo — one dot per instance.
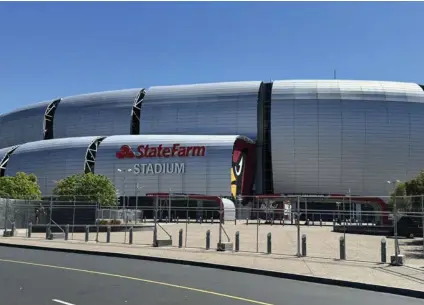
[102, 113]
[23, 125]
[216, 108]
[209, 175]
[329, 136]
[50, 160]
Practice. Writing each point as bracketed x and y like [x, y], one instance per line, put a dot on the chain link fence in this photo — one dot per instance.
[282, 225]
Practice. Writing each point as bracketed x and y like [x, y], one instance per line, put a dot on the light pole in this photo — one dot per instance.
[169, 206]
[350, 206]
[394, 183]
[124, 171]
[139, 187]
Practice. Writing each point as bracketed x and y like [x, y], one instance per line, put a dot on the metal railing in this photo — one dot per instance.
[188, 227]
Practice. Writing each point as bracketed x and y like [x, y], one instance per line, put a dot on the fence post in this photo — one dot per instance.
[87, 232]
[342, 248]
[383, 250]
[178, 219]
[13, 229]
[247, 221]
[108, 234]
[66, 232]
[268, 244]
[201, 220]
[212, 219]
[304, 245]
[237, 241]
[320, 222]
[180, 238]
[29, 229]
[130, 238]
[208, 239]
[188, 219]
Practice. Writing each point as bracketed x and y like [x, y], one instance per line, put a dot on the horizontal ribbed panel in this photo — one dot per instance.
[217, 108]
[50, 160]
[23, 125]
[329, 136]
[102, 113]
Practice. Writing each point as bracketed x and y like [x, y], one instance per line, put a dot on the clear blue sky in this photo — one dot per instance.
[50, 50]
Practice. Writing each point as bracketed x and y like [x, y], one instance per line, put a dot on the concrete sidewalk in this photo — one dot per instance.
[406, 277]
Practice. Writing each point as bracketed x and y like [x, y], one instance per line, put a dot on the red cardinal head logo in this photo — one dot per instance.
[125, 152]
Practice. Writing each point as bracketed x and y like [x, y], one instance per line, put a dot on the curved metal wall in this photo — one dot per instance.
[102, 113]
[50, 160]
[217, 108]
[23, 125]
[332, 136]
[208, 175]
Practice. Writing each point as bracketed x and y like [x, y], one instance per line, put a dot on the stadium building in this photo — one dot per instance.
[223, 140]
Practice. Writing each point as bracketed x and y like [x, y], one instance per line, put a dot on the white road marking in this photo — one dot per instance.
[62, 302]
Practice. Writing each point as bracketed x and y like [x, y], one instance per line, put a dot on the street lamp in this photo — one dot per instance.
[394, 183]
[139, 187]
[124, 171]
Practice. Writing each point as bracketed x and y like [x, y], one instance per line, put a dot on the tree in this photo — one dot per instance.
[21, 186]
[408, 194]
[86, 187]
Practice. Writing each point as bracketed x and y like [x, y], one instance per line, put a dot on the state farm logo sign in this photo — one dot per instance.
[147, 151]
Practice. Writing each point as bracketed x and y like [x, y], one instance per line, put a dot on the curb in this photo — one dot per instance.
[290, 276]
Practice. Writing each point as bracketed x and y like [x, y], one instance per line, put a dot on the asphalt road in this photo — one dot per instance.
[36, 277]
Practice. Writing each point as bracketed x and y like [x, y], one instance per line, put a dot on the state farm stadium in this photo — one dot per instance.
[226, 143]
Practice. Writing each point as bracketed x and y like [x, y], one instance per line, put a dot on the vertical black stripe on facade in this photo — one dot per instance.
[136, 113]
[3, 162]
[90, 156]
[264, 178]
[49, 119]
[267, 155]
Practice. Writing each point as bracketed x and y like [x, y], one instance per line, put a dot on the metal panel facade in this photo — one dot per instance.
[50, 160]
[332, 136]
[22, 125]
[217, 108]
[102, 113]
[209, 175]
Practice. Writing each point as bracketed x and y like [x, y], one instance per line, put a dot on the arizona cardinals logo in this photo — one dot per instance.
[237, 172]
[125, 152]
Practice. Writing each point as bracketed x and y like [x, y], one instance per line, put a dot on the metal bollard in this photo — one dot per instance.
[235, 220]
[13, 229]
[342, 248]
[304, 245]
[108, 234]
[237, 248]
[131, 235]
[284, 221]
[268, 244]
[29, 230]
[211, 219]
[66, 232]
[383, 250]
[180, 238]
[247, 221]
[320, 222]
[48, 232]
[208, 239]
[87, 232]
